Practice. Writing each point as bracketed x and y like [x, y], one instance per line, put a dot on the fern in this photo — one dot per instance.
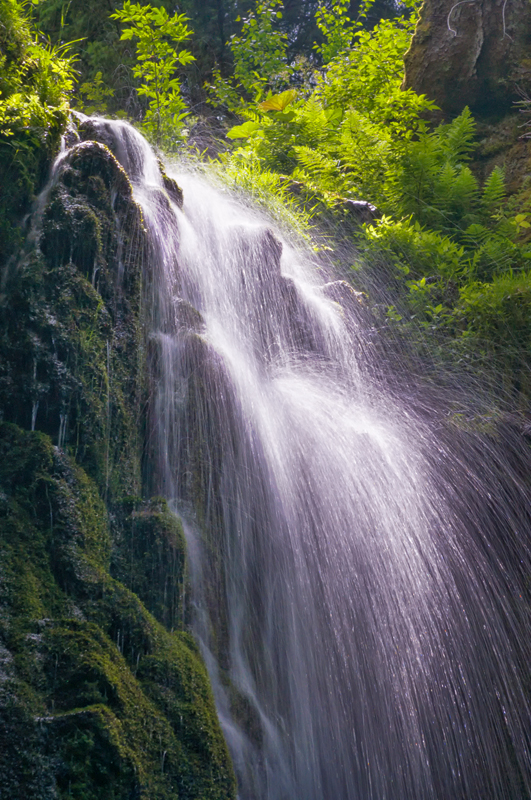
[494, 192]
[314, 122]
[319, 165]
[461, 198]
[433, 183]
[475, 235]
[495, 256]
[457, 138]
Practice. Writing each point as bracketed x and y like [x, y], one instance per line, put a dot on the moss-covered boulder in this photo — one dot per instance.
[71, 342]
[150, 557]
[97, 698]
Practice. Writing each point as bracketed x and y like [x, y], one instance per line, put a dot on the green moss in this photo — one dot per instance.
[71, 352]
[172, 187]
[150, 558]
[107, 701]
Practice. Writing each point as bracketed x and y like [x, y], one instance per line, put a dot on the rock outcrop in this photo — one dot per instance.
[477, 53]
[473, 52]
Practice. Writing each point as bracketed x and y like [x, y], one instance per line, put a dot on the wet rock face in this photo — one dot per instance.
[473, 53]
[80, 221]
[70, 340]
[102, 692]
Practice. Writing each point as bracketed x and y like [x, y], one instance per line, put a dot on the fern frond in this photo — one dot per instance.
[494, 192]
[457, 137]
[315, 163]
[465, 190]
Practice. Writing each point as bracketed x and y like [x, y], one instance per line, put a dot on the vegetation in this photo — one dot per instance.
[36, 80]
[446, 263]
[156, 62]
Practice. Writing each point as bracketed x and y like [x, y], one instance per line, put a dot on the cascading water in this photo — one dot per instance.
[360, 617]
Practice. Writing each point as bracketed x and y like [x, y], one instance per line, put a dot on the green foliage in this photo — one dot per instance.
[243, 173]
[337, 28]
[158, 59]
[499, 312]
[35, 82]
[343, 137]
[95, 94]
[414, 251]
[259, 56]
[356, 134]
[35, 78]
[431, 179]
[260, 50]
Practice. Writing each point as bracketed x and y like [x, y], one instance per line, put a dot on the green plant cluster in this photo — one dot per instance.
[157, 57]
[446, 263]
[259, 58]
[36, 80]
[456, 256]
[345, 128]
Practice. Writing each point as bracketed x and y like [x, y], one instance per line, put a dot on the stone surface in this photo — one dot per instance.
[475, 53]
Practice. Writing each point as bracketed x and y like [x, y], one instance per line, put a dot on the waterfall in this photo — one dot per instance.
[356, 575]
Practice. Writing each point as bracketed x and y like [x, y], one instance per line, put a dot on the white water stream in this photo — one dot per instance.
[364, 636]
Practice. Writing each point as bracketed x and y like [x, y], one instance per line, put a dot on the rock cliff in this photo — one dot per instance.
[474, 53]
[477, 53]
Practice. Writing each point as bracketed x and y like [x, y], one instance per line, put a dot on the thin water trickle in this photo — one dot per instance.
[34, 410]
[63, 427]
[364, 636]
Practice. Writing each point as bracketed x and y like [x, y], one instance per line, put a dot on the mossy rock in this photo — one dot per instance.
[71, 347]
[150, 551]
[98, 699]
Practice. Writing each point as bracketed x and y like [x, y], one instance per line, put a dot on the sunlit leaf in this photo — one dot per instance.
[334, 115]
[243, 131]
[278, 102]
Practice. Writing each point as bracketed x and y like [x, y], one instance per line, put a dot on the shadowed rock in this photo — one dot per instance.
[471, 53]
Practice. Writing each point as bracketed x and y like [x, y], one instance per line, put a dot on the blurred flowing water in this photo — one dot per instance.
[356, 574]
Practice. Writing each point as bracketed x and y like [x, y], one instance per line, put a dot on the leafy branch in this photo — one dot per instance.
[158, 59]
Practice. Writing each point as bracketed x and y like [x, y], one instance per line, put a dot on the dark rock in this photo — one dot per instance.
[360, 211]
[172, 187]
[343, 293]
[473, 53]
[93, 129]
[188, 317]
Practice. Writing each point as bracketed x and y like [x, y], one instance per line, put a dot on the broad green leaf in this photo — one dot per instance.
[243, 131]
[334, 115]
[278, 102]
[286, 116]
